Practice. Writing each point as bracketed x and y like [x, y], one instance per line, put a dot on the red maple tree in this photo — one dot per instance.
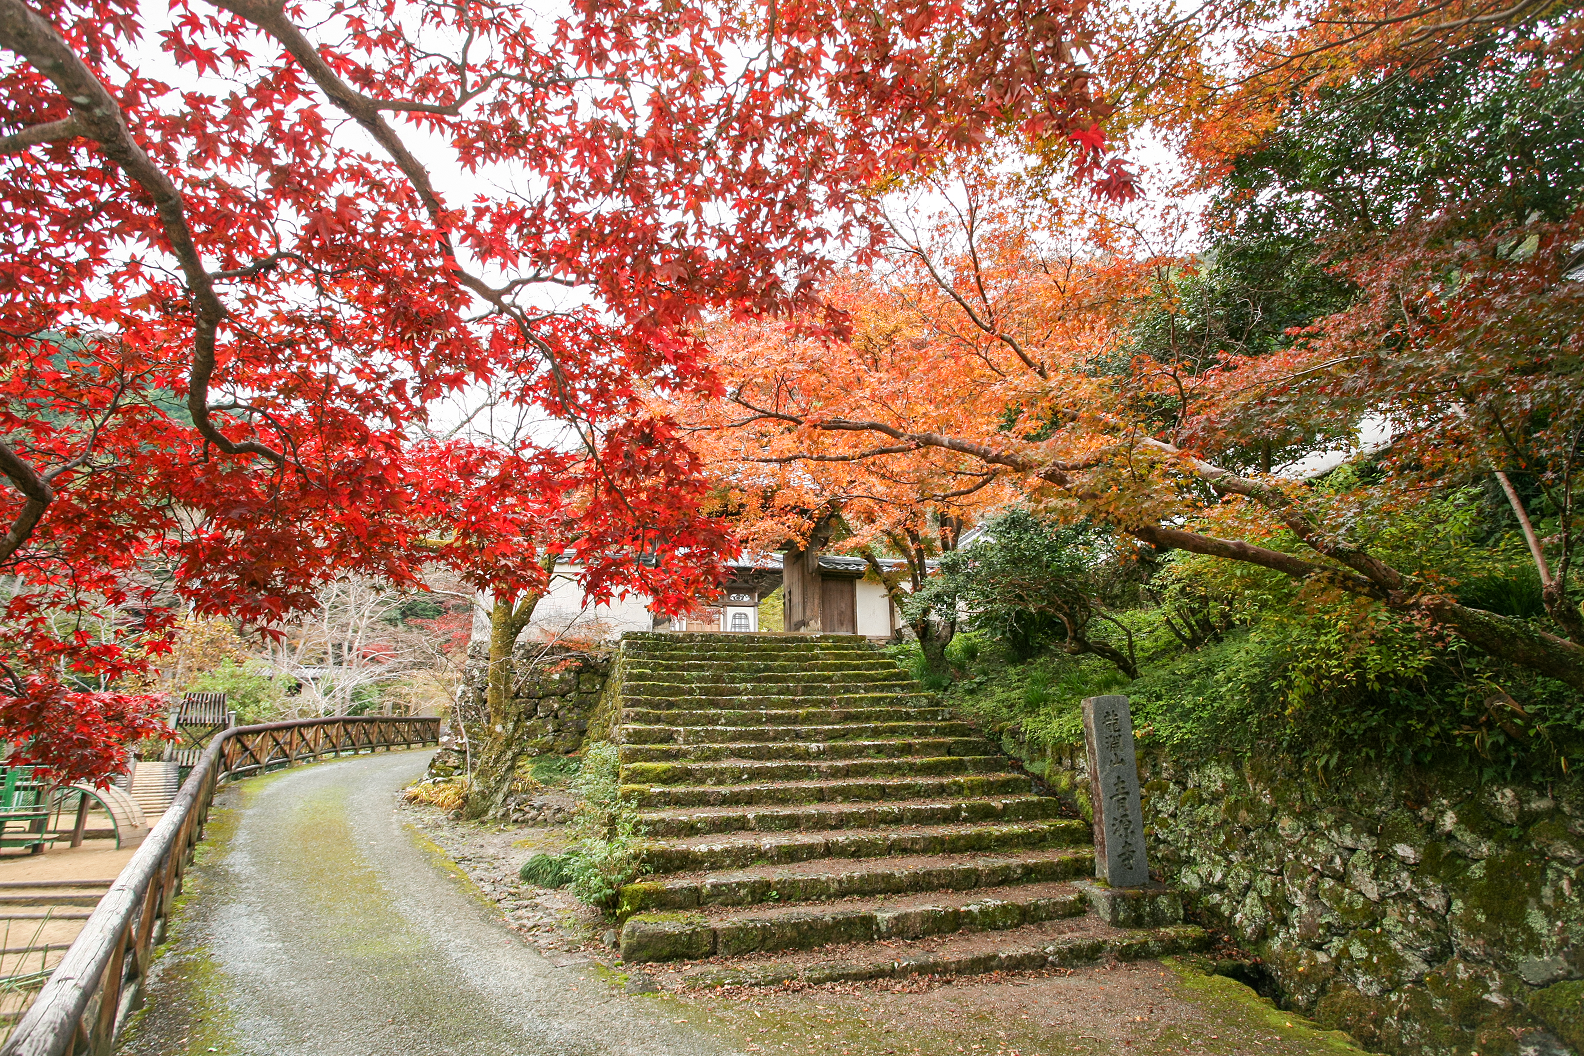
[238, 291]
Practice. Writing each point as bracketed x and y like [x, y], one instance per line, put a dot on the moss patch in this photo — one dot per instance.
[1561, 1007]
[1240, 1005]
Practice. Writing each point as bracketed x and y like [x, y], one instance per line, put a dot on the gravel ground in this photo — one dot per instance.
[315, 924]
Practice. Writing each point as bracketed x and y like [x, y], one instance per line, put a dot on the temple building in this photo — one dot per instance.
[821, 594]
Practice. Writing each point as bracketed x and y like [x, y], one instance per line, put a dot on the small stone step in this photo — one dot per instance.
[890, 748]
[711, 656]
[849, 712]
[740, 850]
[51, 898]
[733, 772]
[1066, 943]
[826, 880]
[870, 731]
[859, 790]
[671, 643]
[711, 932]
[684, 821]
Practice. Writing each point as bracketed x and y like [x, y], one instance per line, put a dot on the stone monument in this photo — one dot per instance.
[1114, 793]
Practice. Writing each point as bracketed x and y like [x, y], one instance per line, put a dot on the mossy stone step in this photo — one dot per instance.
[796, 792]
[906, 704]
[749, 656]
[637, 645]
[871, 731]
[815, 683]
[751, 770]
[894, 748]
[762, 667]
[727, 683]
[769, 885]
[1023, 950]
[647, 938]
[746, 849]
[682, 822]
[861, 713]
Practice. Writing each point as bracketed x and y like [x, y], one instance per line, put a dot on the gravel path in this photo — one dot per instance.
[319, 926]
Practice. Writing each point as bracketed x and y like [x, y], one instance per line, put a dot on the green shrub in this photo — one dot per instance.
[607, 851]
[964, 649]
[546, 870]
[554, 769]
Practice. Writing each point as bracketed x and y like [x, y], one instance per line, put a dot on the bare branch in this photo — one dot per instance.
[62, 131]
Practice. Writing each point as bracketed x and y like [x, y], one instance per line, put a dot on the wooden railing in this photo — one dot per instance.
[100, 980]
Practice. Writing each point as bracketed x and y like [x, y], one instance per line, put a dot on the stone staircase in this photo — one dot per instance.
[812, 817]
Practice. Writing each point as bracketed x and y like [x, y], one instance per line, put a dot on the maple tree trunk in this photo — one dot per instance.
[492, 778]
[1563, 610]
[933, 638]
[1553, 588]
[1502, 636]
[35, 490]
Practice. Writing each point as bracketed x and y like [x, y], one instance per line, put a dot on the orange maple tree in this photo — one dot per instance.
[899, 512]
[1023, 364]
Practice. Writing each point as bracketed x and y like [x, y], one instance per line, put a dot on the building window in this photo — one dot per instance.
[739, 621]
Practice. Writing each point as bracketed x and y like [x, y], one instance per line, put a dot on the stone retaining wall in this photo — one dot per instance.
[1423, 912]
[561, 688]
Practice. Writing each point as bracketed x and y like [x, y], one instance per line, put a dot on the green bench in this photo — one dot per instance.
[24, 809]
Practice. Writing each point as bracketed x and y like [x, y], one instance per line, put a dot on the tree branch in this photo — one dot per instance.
[38, 495]
[1363, 575]
[100, 118]
[62, 131]
[1535, 550]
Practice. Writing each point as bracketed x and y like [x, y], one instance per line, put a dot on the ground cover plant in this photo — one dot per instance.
[605, 838]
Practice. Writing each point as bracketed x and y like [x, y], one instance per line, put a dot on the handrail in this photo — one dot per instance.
[100, 979]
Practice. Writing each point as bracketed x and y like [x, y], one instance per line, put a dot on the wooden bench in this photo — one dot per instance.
[195, 720]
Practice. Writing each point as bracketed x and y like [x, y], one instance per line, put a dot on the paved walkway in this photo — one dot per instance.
[319, 927]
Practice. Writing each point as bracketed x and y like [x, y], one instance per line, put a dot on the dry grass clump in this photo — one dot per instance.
[447, 795]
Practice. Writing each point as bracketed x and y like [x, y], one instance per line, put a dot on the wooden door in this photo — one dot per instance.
[839, 606]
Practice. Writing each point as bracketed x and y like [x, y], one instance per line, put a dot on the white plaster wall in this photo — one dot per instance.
[874, 610]
[563, 608]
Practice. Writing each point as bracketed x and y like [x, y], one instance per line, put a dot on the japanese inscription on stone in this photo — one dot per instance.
[1114, 792]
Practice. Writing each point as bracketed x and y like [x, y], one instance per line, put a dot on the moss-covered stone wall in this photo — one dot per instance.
[1424, 912]
[559, 687]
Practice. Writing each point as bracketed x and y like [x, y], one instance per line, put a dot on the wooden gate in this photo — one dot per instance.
[839, 606]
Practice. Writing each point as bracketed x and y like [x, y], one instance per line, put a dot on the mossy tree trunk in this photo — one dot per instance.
[933, 638]
[933, 627]
[496, 762]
